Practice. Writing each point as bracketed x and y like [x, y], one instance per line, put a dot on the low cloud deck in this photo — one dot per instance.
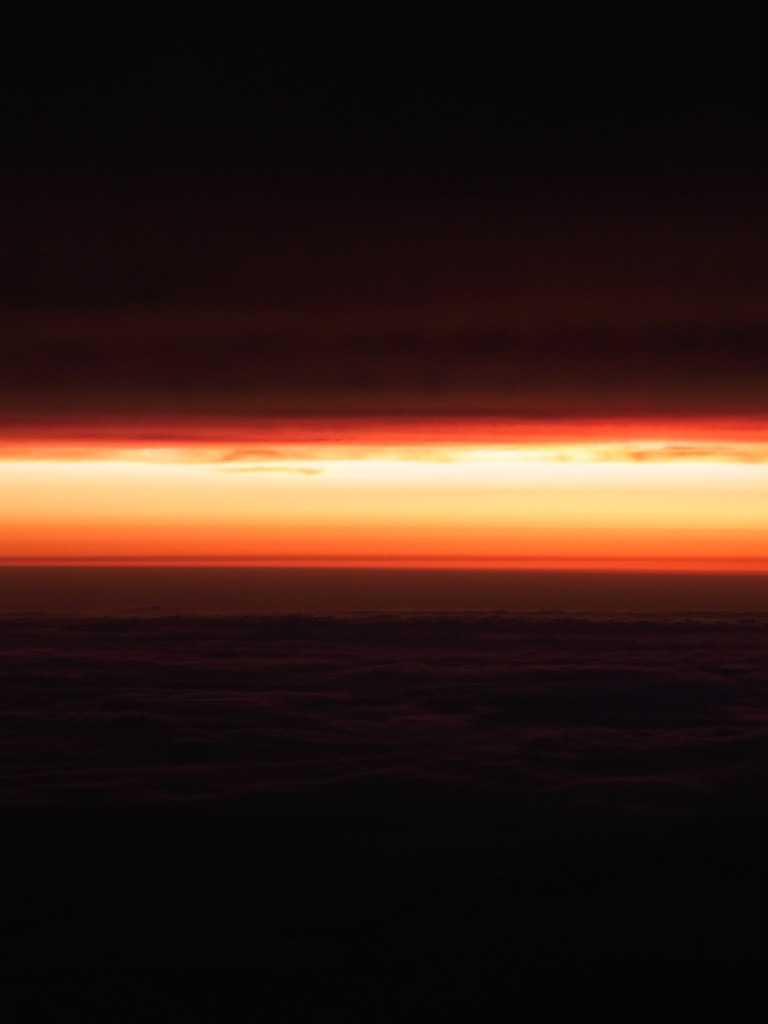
[357, 815]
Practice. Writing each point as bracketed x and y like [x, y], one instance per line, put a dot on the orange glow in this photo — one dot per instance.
[607, 495]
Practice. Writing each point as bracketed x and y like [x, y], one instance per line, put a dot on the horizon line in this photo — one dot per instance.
[669, 565]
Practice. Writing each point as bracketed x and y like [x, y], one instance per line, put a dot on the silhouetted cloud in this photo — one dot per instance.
[626, 715]
[516, 304]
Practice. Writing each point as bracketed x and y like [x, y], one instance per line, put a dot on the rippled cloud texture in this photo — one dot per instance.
[639, 715]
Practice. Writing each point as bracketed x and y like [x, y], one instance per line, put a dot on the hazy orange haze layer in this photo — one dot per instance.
[652, 494]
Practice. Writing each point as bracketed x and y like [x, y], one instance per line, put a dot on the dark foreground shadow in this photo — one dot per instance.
[378, 905]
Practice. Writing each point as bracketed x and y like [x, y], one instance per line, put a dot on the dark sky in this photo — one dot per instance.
[331, 209]
[389, 91]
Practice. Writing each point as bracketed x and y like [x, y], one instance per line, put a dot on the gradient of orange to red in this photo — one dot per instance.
[645, 494]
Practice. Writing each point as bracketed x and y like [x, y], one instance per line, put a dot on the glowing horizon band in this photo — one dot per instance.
[676, 498]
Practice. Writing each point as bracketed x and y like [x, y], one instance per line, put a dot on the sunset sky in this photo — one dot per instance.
[388, 292]
[384, 510]
[666, 495]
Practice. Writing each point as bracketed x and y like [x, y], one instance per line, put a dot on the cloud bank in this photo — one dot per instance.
[636, 716]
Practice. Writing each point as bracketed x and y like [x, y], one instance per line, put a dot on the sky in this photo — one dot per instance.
[385, 287]
[316, 291]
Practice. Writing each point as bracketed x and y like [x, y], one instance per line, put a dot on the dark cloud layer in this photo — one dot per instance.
[267, 374]
[650, 716]
[329, 818]
[346, 211]
[232, 302]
